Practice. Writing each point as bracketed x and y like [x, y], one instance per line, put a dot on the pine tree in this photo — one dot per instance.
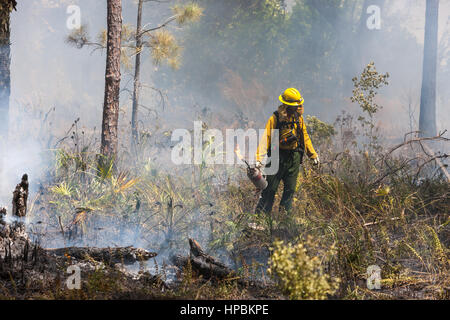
[109, 144]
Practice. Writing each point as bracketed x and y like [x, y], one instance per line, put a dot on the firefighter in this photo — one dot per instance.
[294, 142]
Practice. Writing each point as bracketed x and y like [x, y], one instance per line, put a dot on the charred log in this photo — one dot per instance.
[22, 260]
[203, 264]
[110, 256]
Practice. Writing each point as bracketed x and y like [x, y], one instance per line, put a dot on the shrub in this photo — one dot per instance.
[300, 276]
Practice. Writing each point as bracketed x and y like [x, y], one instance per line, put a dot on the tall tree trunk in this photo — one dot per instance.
[6, 6]
[5, 81]
[137, 73]
[427, 120]
[109, 144]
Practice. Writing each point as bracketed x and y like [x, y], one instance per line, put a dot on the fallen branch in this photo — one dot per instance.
[439, 137]
[111, 256]
[378, 222]
[439, 163]
[393, 171]
[425, 149]
[203, 264]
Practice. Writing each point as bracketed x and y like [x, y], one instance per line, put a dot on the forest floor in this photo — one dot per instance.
[388, 209]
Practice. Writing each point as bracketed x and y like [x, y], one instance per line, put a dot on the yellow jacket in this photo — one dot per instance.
[264, 143]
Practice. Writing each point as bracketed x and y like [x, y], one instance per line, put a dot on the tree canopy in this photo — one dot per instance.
[261, 42]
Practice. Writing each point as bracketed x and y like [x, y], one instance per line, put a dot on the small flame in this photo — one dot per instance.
[237, 150]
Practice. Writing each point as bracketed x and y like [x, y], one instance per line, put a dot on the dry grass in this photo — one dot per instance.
[362, 208]
[400, 225]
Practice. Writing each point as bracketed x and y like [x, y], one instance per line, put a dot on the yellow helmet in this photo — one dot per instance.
[292, 97]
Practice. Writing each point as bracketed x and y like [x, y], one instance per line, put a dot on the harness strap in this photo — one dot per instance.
[300, 138]
[301, 142]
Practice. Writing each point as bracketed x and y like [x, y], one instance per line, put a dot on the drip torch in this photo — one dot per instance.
[254, 174]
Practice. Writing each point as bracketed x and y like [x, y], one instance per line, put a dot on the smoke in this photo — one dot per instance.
[50, 76]
[47, 71]
[397, 48]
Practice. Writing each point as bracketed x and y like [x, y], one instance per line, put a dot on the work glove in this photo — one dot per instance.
[316, 162]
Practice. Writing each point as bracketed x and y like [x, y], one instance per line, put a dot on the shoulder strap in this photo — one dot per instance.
[277, 118]
[279, 124]
[300, 131]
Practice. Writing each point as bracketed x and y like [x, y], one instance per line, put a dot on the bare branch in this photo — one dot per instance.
[393, 171]
[163, 101]
[440, 164]
[439, 137]
[164, 24]
[444, 156]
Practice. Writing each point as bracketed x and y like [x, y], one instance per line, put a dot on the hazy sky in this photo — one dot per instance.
[46, 73]
[38, 51]
[414, 14]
